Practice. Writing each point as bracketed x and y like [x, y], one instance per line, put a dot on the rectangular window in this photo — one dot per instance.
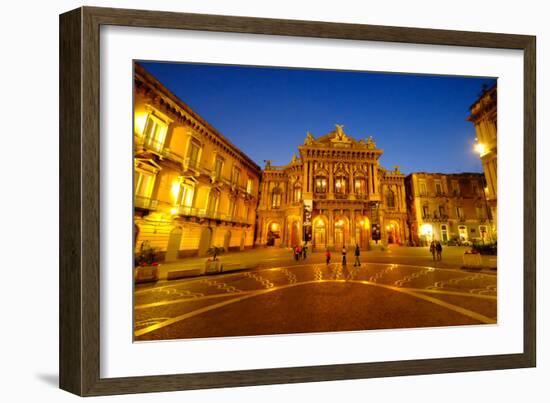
[232, 207]
[456, 188]
[442, 212]
[143, 183]
[187, 192]
[423, 189]
[218, 166]
[236, 176]
[425, 212]
[194, 154]
[154, 132]
[459, 213]
[249, 185]
[438, 190]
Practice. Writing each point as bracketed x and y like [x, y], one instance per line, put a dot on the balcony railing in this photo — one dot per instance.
[190, 163]
[340, 195]
[156, 147]
[145, 203]
[204, 213]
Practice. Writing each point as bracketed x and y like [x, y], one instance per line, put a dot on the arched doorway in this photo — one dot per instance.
[341, 232]
[227, 240]
[319, 233]
[273, 236]
[205, 241]
[173, 244]
[294, 234]
[362, 232]
[393, 232]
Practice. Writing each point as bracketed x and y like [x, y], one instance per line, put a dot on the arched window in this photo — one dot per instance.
[390, 199]
[340, 184]
[297, 193]
[360, 186]
[320, 184]
[276, 198]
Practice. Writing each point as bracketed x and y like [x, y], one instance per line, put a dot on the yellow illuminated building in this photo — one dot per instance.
[193, 188]
[484, 117]
[333, 194]
[448, 207]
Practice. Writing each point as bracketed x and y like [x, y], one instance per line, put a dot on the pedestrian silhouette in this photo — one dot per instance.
[357, 255]
[344, 256]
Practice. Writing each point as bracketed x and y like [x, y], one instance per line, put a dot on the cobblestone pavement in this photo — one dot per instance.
[314, 298]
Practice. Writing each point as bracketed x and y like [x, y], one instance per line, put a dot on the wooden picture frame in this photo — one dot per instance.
[80, 198]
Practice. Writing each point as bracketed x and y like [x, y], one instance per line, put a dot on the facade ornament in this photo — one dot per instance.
[396, 169]
[370, 143]
[309, 139]
[267, 164]
[340, 132]
[293, 158]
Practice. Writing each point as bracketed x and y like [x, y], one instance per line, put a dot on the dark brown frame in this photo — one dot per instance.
[79, 201]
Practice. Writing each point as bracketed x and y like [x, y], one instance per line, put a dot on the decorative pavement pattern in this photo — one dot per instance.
[314, 298]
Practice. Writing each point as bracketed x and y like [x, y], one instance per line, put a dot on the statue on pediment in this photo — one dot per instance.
[370, 143]
[340, 132]
[268, 164]
[396, 169]
[294, 159]
[309, 139]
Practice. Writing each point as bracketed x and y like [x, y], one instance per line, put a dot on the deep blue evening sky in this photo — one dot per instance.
[419, 121]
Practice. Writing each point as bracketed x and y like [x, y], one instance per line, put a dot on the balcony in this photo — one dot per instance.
[190, 164]
[145, 203]
[340, 196]
[146, 144]
[185, 211]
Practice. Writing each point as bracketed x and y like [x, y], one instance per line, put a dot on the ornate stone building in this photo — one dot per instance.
[193, 187]
[448, 207]
[484, 117]
[334, 193]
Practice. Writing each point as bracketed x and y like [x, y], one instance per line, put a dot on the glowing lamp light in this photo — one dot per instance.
[174, 210]
[274, 227]
[139, 122]
[479, 148]
[426, 229]
[175, 190]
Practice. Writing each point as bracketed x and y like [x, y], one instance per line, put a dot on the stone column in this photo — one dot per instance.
[330, 182]
[330, 229]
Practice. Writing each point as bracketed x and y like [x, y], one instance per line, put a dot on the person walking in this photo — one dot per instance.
[357, 255]
[432, 249]
[438, 250]
[327, 257]
[296, 253]
[304, 251]
[344, 256]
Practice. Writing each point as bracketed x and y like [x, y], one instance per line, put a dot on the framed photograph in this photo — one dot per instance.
[250, 201]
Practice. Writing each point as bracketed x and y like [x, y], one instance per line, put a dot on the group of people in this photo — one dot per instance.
[357, 254]
[300, 252]
[436, 249]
